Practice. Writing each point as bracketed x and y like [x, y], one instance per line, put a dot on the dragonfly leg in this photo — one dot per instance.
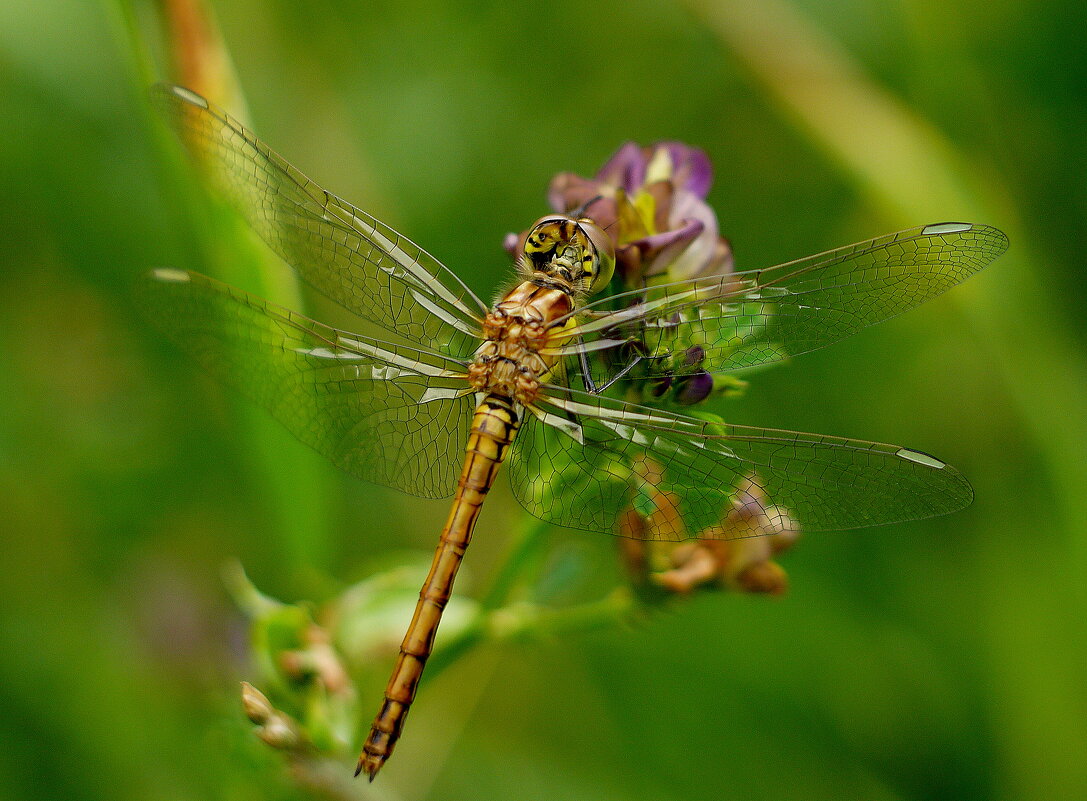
[586, 373]
[615, 378]
[624, 371]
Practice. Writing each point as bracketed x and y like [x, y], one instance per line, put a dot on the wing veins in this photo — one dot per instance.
[273, 193]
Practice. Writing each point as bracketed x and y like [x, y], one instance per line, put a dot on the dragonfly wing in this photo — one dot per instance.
[383, 412]
[582, 460]
[751, 318]
[338, 249]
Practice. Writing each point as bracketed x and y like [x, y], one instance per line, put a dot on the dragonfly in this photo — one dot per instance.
[461, 387]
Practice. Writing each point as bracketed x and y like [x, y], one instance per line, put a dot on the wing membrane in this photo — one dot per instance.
[751, 318]
[582, 460]
[338, 249]
[383, 412]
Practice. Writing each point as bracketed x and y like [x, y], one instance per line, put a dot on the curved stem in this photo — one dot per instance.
[522, 553]
[497, 620]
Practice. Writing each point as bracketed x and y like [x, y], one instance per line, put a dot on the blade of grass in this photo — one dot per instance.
[296, 486]
[906, 168]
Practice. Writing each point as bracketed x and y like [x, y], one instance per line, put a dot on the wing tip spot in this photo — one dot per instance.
[946, 228]
[170, 274]
[921, 458]
[189, 96]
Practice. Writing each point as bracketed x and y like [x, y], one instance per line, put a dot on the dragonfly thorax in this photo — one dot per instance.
[518, 328]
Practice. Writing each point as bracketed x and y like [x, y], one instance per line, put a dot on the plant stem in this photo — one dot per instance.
[525, 548]
[528, 621]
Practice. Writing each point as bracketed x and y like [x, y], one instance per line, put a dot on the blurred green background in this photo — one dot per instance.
[930, 660]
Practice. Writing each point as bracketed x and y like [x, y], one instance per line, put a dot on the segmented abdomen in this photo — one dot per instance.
[493, 429]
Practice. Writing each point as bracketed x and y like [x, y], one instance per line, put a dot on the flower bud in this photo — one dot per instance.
[658, 387]
[280, 733]
[766, 578]
[694, 389]
[256, 704]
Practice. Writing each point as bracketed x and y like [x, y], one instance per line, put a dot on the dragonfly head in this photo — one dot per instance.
[576, 252]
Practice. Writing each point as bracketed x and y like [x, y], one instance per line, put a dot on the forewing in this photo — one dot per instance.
[383, 412]
[583, 460]
[338, 249]
[751, 318]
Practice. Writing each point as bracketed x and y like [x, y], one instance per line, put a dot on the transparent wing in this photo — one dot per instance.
[341, 251]
[583, 460]
[751, 318]
[383, 412]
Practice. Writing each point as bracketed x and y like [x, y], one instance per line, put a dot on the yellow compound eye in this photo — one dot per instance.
[543, 235]
[603, 267]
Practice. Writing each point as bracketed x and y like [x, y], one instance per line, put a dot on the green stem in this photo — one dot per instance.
[531, 621]
[528, 622]
[525, 549]
[252, 602]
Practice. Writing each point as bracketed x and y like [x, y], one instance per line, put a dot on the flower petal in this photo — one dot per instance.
[691, 168]
[695, 260]
[625, 169]
[568, 190]
[663, 250]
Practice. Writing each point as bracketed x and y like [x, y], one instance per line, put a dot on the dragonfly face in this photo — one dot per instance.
[569, 253]
[518, 384]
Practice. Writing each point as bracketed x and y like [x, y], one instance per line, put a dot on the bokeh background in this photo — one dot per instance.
[930, 660]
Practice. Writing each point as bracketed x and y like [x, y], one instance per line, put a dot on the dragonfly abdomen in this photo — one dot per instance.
[493, 429]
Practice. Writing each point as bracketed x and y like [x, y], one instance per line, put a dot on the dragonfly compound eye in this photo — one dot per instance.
[545, 235]
[598, 275]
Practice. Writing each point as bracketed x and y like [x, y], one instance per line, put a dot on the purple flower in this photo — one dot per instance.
[694, 388]
[659, 386]
[651, 200]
